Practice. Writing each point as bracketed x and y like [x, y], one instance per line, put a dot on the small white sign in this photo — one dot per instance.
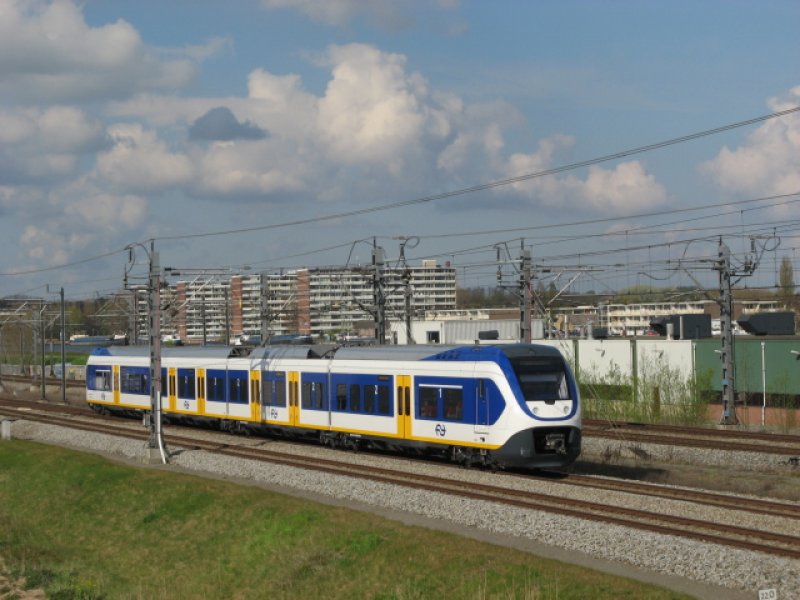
[768, 594]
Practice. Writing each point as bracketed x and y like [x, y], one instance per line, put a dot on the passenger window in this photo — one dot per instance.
[186, 384]
[280, 393]
[319, 396]
[369, 399]
[306, 395]
[453, 404]
[428, 402]
[341, 396]
[384, 406]
[355, 398]
[266, 392]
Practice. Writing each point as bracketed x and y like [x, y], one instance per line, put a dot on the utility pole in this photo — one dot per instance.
[525, 295]
[63, 354]
[63, 341]
[155, 443]
[378, 293]
[407, 283]
[41, 346]
[723, 265]
[264, 300]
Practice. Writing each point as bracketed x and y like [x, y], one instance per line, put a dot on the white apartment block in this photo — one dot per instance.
[318, 301]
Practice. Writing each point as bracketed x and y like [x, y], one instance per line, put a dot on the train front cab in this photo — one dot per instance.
[547, 393]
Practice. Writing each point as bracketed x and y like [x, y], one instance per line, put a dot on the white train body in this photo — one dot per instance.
[504, 405]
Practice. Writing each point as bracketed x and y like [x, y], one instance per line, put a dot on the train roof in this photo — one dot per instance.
[214, 352]
[491, 352]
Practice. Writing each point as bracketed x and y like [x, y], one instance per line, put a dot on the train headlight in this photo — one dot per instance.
[566, 410]
[536, 410]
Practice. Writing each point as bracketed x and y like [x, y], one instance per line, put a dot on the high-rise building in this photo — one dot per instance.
[318, 301]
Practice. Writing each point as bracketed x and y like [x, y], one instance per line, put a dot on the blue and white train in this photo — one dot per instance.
[494, 405]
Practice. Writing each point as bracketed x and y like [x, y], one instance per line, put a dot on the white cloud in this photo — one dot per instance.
[48, 54]
[40, 144]
[374, 111]
[140, 162]
[625, 188]
[81, 219]
[769, 160]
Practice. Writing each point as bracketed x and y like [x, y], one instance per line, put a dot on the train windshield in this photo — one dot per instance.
[541, 378]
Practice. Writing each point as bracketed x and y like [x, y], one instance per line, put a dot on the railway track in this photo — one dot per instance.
[50, 381]
[611, 512]
[695, 437]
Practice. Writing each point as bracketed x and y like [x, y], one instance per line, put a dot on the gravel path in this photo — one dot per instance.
[692, 567]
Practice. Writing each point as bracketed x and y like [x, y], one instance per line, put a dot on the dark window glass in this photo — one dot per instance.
[134, 380]
[355, 398]
[279, 399]
[186, 383]
[306, 395]
[341, 396]
[266, 392]
[216, 389]
[369, 399]
[453, 400]
[542, 378]
[163, 382]
[319, 396]
[428, 402]
[384, 406]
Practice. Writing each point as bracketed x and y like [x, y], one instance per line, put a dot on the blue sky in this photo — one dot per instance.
[126, 121]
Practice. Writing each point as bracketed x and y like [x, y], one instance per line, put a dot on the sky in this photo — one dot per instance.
[266, 135]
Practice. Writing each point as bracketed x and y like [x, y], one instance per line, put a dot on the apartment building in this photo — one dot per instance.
[319, 301]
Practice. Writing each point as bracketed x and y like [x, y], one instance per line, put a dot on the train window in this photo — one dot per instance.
[279, 398]
[216, 389]
[99, 378]
[267, 393]
[313, 395]
[355, 398]
[186, 383]
[453, 399]
[237, 390]
[341, 396]
[384, 406]
[428, 402]
[318, 390]
[134, 380]
[163, 382]
[369, 400]
[543, 378]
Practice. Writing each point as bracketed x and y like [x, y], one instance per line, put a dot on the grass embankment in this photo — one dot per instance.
[81, 526]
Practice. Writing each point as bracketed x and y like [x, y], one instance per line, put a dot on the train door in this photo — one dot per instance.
[294, 396]
[255, 396]
[481, 407]
[172, 377]
[114, 383]
[201, 391]
[403, 386]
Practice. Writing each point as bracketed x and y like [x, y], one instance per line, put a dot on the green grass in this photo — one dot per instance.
[83, 527]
